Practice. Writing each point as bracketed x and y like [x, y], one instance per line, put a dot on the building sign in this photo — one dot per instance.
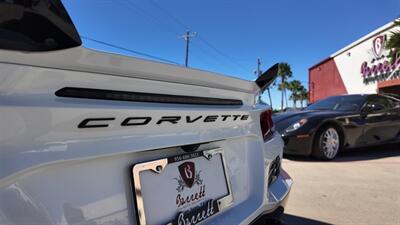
[377, 45]
[381, 67]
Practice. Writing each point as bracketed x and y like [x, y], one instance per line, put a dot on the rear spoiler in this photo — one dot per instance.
[44, 25]
[267, 78]
[36, 25]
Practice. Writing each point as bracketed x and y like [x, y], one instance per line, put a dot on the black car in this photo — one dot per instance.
[340, 122]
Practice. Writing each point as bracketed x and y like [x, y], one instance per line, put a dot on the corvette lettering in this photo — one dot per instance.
[146, 120]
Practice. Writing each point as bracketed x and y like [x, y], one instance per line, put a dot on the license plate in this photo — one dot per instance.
[183, 189]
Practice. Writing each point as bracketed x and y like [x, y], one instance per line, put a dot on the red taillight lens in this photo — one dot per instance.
[267, 125]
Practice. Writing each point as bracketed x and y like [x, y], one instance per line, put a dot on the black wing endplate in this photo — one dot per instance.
[268, 77]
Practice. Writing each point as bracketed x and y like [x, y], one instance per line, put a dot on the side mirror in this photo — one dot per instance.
[267, 78]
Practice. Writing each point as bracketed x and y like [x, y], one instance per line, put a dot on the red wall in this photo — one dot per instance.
[324, 81]
[390, 86]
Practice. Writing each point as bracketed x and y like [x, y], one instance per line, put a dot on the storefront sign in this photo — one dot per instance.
[381, 67]
[377, 45]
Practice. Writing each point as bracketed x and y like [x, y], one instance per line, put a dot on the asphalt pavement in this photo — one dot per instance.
[361, 186]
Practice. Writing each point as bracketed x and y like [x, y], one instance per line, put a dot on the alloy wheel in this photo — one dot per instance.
[330, 143]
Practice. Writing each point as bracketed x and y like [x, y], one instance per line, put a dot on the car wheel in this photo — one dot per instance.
[327, 143]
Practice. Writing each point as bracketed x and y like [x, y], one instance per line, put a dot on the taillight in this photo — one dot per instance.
[267, 125]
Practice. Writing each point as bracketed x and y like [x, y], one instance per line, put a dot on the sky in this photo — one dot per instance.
[230, 34]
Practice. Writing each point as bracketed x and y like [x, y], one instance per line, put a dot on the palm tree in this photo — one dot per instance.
[393, 43]
[284, 72]
[295, 87]
[303, 95]
[281, 86]
[269, 96]
[294, 97]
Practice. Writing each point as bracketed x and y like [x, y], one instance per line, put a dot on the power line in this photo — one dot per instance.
[179, 22]
[130, 50]
[170, 15]
[187, 36]
[208, 54]
[220, 53]
[131, 4]
[151, 17]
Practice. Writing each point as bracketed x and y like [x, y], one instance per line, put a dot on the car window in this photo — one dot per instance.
[339, 103]
[394, 102]
[379, 103]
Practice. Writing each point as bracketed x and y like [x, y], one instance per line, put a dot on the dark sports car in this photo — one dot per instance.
[340, 122]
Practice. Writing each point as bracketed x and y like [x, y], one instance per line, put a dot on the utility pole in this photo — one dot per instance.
[259, 74]
[258, 67]
[187, 37]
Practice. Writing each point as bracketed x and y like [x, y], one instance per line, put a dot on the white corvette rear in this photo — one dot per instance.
[84, 133]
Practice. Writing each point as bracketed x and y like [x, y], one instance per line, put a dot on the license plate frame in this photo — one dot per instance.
[159, 165]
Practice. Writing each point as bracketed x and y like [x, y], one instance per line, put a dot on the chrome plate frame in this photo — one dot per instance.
[158, 166]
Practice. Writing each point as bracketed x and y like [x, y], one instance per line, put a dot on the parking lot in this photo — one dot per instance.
[361, 186]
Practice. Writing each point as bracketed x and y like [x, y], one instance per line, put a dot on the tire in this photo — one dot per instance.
[327, 143]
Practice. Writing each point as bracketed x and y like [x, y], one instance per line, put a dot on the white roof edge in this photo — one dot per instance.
[364, 38]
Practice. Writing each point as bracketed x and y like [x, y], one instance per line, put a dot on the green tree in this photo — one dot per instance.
[269, 96]
[295, 87]
[393, 43]
[303, 94]
[284, 72]
[281, 87]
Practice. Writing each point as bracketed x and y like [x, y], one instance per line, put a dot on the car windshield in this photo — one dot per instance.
[339, 103]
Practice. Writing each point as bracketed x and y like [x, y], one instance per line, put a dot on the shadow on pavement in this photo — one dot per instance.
[357, 154]
[297, 220]
[368, 153]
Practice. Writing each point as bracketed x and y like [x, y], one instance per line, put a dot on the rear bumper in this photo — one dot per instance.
[278, 195]
[264, 200]
[73, 190]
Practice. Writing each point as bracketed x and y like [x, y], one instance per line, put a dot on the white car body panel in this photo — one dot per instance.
[52, 173]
